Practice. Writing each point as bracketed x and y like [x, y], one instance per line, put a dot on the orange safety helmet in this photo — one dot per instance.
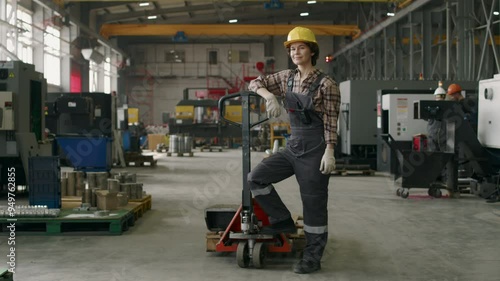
[454, 88]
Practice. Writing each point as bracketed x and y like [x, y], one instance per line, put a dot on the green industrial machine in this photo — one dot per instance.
[22, 124]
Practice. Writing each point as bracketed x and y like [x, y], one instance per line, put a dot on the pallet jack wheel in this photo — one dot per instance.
[437, 193]
[431, 191]
[243, 255]
[398, 191]
[259, 254]
[405, 193]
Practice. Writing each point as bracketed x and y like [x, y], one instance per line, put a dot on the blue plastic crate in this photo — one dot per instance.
[44, 181]
[86, 153]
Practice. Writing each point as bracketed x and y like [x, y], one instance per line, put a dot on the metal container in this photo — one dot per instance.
[92, 179]
[188, 142]
[71, 191]
[138, 191]
[64, 186]
[125, 187]
[173, 144]
[102, 180]
[113, 185]
[181, 144]
[122, 199]
[93, 198]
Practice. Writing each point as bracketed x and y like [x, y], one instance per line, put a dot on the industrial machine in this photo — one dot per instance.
[22, 95]
[395, 117]
[420, 169]
[241, 231]
[199, 118]
[357, 129]
[83, 125]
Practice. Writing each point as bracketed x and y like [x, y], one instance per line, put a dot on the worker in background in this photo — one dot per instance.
[312, 101]
[455, 94]
[436, 129]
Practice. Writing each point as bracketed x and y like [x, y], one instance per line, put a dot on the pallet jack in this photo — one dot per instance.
[243, 237]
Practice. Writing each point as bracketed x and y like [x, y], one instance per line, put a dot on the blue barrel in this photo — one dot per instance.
[126, 140]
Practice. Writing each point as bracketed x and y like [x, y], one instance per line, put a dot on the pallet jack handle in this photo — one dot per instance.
[245, 125]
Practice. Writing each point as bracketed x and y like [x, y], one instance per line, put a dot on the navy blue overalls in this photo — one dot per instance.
[302, 157]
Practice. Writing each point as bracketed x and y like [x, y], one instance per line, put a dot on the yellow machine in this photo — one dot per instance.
[133, 115]
[233, 113]
[184, 114]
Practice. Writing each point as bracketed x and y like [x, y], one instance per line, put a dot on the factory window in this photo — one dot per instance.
[23, 20]
[107, 75]
[25, 36]
[93, 71]
[178, 56]
[237, 56]
[52, 60]
[212, 57]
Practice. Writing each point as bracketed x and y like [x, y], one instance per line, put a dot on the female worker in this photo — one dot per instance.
[312, 101]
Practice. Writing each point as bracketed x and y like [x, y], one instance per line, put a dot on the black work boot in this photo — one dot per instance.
[287, 226]
[305, 266]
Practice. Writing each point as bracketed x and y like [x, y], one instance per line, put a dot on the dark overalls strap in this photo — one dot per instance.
[312, 88]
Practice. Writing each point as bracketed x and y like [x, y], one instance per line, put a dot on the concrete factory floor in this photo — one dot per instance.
[374, 235]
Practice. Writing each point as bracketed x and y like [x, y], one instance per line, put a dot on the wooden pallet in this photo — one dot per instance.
[73, 222]
[139, 160]
[140, 206]
[179, 154]
[137, 206]
[353, 173]
[210, 149]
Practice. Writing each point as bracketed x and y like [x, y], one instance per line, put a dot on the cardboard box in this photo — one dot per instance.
[107, 200]
[155, 139]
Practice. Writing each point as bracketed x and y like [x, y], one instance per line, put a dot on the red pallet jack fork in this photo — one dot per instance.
[242, 234]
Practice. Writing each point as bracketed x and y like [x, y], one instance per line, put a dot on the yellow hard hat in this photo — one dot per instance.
[300, 34]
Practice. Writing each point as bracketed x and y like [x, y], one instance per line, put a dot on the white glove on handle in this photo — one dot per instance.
[327, 162]
[273, 107]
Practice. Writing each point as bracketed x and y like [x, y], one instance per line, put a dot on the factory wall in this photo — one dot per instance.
[155, 84]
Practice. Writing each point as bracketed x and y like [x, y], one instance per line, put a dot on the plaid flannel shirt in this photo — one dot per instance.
[326, 101]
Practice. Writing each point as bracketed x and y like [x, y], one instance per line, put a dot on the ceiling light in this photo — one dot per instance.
[304, 14]
[144, 4]
[496, 13]
[311, 2]
[389, 14]
[152, 17]
[233, 21]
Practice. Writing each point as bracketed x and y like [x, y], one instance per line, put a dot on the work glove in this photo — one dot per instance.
[273, 107]
[327, 162]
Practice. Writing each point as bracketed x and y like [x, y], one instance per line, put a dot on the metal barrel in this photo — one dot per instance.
[87, 196]
[113, 185]
[125, 188]
[93, 198]
[188, 142]
[181, 144]
[174, 145]
[71, 184]
[92, 179]
[102, 180]
[64, 186]
[80, 183]
[131, 178]
[138, 191]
